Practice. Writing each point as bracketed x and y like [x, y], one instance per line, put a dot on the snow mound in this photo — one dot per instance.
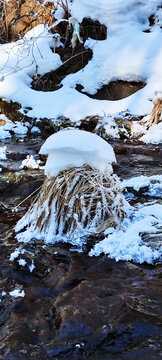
[127, 244]
[117, 13]
[153, 135]
[74, 148]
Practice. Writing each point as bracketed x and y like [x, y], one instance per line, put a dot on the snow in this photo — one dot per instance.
[17, 293]
[153, 183]
[22, 262]
[30, 163]
[31, 267]
[153, 135]
[16, 253]
[129, 53]
[17, 128]
[127, 243]
[3, 153]
[74, 148]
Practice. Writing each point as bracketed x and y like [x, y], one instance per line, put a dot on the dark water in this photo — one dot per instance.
[75, 307]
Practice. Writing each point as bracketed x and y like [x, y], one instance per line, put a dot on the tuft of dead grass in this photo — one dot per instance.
[156, 114]
[81, 200]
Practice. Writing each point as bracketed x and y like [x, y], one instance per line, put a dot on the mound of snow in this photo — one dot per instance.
[74, 148]
[116, 14]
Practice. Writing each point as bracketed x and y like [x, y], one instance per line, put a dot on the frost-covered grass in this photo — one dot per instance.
[125, 243]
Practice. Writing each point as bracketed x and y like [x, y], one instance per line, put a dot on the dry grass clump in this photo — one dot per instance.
[156, 114]
[80, 200]
[138, 129]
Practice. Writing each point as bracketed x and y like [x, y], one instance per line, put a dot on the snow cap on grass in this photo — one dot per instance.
[74, 148]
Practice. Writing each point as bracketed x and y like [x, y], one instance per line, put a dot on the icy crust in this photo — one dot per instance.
[74, 148]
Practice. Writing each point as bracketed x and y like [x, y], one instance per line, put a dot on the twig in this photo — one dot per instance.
[15, 208]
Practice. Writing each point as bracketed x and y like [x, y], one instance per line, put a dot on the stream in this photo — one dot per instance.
[75, 307]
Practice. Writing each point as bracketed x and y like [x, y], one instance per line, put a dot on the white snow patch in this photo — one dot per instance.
[22, 262]
[17, 293]
[129, 54]
[32, 266]
[16, 253]
[3, 155]
[16, 127]
[127, 243]
[74, 148]
[35, 130]
[153, 183]
[30, 163]
[153, 135]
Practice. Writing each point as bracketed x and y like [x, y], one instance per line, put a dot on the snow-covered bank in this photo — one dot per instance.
[127, 243]
[131, 52]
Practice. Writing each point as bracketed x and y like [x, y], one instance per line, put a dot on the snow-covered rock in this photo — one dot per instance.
[74, 148]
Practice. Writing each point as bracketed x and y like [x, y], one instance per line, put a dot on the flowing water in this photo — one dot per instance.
[75, 307]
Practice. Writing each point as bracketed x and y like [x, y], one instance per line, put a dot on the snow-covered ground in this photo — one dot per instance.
[9, 127]
[131, 52]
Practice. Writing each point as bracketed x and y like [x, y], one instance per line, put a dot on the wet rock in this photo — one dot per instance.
[115, 90]
[72, 62]
[93, 29]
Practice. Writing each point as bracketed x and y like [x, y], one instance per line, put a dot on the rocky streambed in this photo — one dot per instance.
[74, 306]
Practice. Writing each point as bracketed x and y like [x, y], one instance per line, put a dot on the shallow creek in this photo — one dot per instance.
[75, 307]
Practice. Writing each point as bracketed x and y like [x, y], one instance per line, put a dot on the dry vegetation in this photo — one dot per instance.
[79, 199]
[19, 16]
